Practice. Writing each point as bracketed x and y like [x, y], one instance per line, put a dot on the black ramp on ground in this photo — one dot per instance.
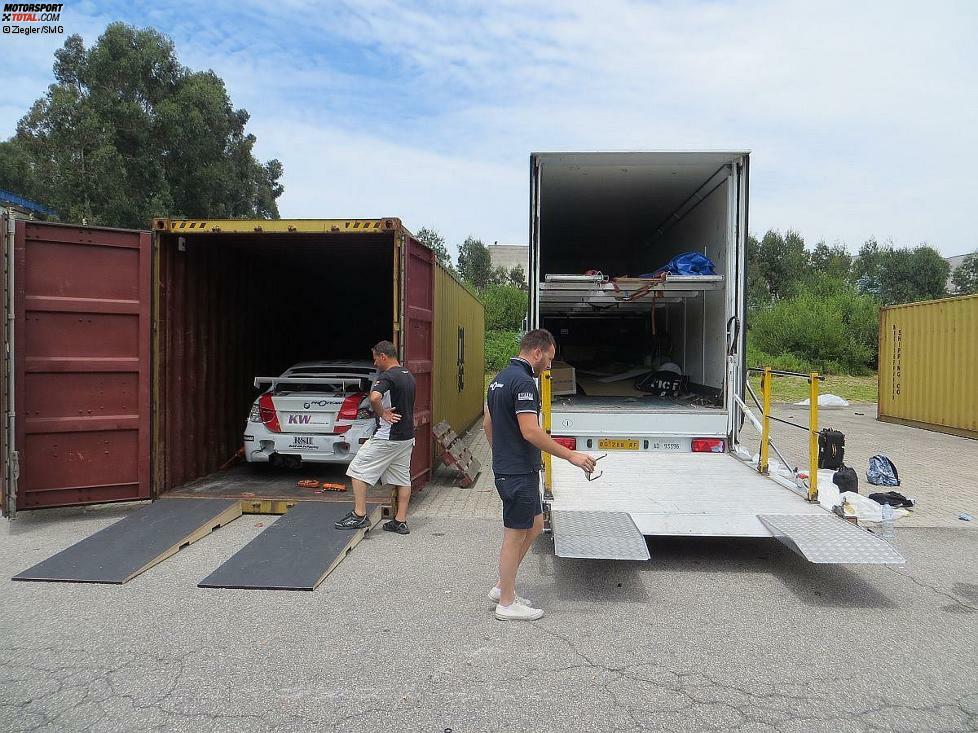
[295, 553]
[137, 542]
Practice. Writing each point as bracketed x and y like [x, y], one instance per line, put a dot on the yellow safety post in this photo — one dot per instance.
[766, 424]
[813, 437]
[545, 396]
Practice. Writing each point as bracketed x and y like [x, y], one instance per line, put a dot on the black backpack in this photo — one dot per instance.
[831, 448]
[846, 479]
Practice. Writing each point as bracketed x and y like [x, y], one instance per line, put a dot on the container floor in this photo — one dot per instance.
[260, 481]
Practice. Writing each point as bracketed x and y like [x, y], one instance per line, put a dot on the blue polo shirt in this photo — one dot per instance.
[513, 391]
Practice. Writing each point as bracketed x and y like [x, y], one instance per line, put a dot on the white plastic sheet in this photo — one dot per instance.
[826, 400]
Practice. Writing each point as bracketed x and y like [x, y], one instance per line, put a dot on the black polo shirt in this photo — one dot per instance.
[513, 391]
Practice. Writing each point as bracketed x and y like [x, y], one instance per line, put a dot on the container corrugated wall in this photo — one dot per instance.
[459, 353]
[928, 375]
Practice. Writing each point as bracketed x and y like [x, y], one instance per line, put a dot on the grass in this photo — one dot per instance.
[794, 389]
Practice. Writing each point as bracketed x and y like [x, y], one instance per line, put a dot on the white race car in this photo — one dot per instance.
[315, 411]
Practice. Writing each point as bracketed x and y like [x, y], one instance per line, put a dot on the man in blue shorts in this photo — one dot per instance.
[512, 425]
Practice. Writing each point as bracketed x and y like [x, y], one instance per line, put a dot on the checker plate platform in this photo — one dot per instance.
[825, 538]
[597, 535]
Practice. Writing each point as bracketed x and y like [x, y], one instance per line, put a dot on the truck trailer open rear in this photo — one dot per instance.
[603, 229]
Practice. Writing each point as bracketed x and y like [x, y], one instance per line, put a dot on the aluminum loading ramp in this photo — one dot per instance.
[137, 542]
[698, 495]
[827, 539]
[597, 535]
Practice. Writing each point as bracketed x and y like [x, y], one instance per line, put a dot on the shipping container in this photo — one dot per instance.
[134, 353]
[460, 349]
[927, 364]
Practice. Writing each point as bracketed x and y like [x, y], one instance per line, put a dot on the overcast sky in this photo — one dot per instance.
[862, 117]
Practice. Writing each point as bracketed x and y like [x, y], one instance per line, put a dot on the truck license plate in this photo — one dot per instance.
[606, 444]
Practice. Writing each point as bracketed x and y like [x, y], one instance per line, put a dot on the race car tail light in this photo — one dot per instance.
[255, 414]
[350, 409]
[707, 445]
[340, 429]
[569, 443]
[266, 410]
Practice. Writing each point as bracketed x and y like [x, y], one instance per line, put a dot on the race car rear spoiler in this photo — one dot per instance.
[359, 382]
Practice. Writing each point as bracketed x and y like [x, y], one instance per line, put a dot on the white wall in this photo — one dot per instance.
[705, 229]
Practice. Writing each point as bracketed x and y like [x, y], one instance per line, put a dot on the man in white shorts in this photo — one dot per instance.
[387, 455]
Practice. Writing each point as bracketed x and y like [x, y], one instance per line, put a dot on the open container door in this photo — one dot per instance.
[80, 366]
[417, 328]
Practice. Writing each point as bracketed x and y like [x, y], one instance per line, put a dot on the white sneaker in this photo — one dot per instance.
[495, 594]
[518, 612]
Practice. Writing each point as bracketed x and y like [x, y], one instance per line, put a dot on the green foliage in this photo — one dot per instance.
[901, 275]
[827, 326]
[473, 262]
[126, 133]
[506, 307]
[517, 278]
[436, 242]
[500, 347]
[775, 264]
[965, 277]
[835, 262]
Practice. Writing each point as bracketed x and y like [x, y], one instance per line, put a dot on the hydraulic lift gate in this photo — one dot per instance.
[80, 367]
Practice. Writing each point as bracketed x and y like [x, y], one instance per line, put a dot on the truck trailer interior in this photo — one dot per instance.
[604, 221]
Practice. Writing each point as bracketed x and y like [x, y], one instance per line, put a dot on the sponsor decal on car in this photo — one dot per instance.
[304, 442]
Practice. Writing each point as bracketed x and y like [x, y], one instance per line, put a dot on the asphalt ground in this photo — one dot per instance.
[709, 635]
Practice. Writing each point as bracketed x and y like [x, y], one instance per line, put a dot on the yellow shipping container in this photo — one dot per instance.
[928, 365]
[460, 343]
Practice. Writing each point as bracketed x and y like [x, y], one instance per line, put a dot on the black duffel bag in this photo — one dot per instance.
[846, 479]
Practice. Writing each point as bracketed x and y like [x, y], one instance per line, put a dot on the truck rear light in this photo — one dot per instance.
[707, 445]
[266, 410]
[569, 443]
[350, 409]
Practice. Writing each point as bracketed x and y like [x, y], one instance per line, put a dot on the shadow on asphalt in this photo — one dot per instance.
[835, 586]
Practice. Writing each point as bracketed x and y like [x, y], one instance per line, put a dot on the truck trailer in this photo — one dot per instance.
[604, 228]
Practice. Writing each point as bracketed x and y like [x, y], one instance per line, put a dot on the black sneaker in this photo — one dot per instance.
[394, 526]
[352, 521]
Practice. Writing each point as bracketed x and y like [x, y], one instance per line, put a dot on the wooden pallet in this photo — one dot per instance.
[454, 453]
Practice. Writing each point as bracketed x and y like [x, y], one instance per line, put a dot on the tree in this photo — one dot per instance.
[835, 262]
[474, 264]
[126, 133]
[517, 278]
[965, 277]
[506, 307]
[436, 242]
[777, 263]
[901, 275]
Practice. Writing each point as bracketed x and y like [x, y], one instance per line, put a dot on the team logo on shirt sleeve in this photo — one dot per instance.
[524, 396]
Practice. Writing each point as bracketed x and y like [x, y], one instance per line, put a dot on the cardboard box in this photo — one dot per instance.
[563, 379]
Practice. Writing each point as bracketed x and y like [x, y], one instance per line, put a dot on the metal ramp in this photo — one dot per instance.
[825, 538]
[597, 535]
[137, 542]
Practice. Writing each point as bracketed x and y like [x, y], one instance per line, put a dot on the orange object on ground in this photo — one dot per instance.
[308, 484]
[334, 487]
